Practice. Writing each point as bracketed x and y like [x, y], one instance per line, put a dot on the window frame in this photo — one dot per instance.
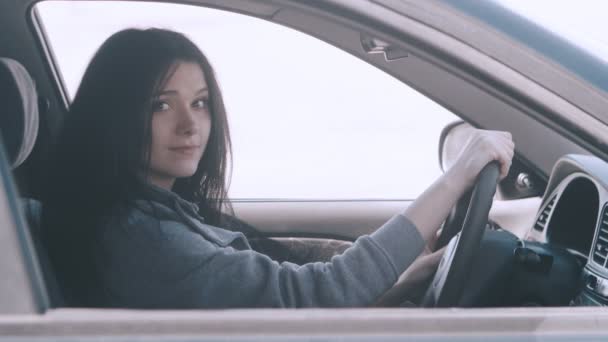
[369, 59]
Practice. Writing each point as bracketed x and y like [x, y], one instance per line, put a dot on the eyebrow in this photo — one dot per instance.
[173, 92]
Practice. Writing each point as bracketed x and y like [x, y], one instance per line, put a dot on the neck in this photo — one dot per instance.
[162, 182]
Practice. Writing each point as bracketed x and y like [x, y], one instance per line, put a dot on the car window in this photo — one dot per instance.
[308, 120]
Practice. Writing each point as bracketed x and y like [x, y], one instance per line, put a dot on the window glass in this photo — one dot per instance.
[570, 33]
[581, 22]
[308, 120]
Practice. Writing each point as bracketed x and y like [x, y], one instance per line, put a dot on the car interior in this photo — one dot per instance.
[546, 242]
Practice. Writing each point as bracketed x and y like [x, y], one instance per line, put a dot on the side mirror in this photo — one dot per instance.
[522, 181]
[453, 137]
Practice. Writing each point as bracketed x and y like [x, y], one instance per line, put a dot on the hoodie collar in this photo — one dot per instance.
[169, 199]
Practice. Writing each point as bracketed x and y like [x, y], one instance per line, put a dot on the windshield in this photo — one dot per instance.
[571, 33]
[582, 22]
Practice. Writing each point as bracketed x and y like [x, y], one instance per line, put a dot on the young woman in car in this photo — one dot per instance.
[138, 183]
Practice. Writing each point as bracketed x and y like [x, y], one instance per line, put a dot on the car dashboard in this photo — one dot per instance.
[574, 215]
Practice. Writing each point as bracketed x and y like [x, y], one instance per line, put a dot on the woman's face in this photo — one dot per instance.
[181, 123]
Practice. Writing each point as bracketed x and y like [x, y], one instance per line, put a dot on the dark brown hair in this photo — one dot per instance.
[97, 163]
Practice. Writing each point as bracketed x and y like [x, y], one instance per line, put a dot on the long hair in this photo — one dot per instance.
[102, 149]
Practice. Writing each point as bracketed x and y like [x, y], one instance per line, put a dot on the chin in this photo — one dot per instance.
[184, 172]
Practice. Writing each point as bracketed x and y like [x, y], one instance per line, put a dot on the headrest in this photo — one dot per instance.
[19, 114]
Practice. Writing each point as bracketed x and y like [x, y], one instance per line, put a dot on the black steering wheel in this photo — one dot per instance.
[448, 284]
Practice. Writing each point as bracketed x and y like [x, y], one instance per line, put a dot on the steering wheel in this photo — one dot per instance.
[448, 284]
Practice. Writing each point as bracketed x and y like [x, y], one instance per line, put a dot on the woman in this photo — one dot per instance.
[138, 186]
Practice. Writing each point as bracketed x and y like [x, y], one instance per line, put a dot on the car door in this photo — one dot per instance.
[425, 58]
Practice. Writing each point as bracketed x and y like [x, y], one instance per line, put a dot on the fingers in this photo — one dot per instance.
[505, 156]
[483, 147]
[432, 260]
[501, 148]
[507, 150]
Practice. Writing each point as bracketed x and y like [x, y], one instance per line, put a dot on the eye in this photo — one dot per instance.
[201, 103]
[160, 106]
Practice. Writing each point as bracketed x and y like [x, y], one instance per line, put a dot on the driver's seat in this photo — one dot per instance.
[19, 127]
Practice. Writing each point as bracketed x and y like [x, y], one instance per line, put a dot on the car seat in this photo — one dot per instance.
[19, 123]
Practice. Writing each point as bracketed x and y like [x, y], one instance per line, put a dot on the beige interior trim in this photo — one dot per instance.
[567, 321]
[344, 219]
[516, 216]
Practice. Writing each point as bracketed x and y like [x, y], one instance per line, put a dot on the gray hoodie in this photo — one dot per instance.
[162, 255]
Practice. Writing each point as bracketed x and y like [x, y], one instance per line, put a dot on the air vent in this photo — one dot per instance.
[600, 250]
[541, 222]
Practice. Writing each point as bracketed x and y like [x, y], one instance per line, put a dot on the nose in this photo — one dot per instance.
[187, 124]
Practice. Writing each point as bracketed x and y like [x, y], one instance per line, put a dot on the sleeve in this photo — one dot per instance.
[181, 269]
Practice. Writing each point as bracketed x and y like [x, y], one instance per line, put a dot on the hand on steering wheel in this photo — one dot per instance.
[448, 284]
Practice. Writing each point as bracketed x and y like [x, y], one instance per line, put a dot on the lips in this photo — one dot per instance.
[185, 150]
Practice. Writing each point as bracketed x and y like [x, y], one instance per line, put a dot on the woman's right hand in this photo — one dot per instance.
[482, 147]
